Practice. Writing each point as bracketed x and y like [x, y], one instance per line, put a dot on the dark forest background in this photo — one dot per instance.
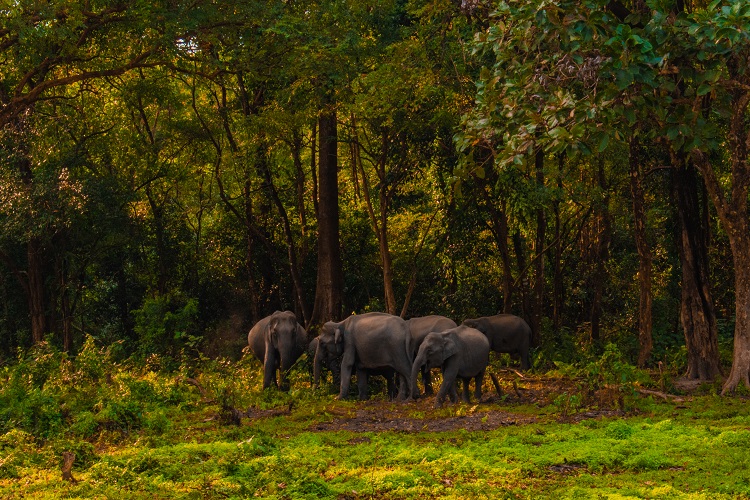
[173, 171]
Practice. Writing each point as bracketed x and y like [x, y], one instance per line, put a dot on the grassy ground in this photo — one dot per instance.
[546, 436]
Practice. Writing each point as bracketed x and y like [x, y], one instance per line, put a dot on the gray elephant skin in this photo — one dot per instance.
[332, 363]
[367, 343]
[506, 333]
[419, 327]
[460, 352]
[278, 341]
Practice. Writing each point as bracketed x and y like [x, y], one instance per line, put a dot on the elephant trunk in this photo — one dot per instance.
[419, 361]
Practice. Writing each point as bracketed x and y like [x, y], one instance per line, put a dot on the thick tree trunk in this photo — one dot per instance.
[645, 340]
[329, 288]
[740, 372]
[732, 210]
[696, 307]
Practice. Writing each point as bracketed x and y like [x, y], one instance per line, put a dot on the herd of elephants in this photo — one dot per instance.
[383, 344]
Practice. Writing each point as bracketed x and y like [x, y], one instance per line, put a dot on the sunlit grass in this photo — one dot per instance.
[143, 434]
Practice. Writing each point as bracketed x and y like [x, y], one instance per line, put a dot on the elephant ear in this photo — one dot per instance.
[338, 336]
[271, 331]
[450, 347]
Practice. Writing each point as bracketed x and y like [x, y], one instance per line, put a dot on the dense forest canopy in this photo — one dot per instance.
[174, 171]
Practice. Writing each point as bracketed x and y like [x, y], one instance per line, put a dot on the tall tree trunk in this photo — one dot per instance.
[255, 314]
[300, 185]
[291, 247]
[645, 340]
[519, 247]
[541, 228]
[600, 250]
[36, 296]
[557, 278]
[329, 286]
[697, 313]
[378, 221]
[499, 227]
[732, 210]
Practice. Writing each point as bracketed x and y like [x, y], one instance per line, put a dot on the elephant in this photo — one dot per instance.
[460, 352]
[366, 342]
[333, 365]
[419, 328]
[278, 341]
[506, 333]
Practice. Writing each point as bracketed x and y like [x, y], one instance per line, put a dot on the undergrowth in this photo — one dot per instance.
[582, 430]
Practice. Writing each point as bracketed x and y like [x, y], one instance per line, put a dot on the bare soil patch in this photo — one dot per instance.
[379, 416]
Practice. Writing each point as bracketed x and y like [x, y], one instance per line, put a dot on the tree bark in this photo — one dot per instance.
[601, 230]
[290, 245]
[329, 286]
[541, 228]
[697, 313]
[378, 221]
[496, 206]
[36, 295]
[645, 340]
[732, 210]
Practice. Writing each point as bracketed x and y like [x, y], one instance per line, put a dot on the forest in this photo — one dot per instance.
[173, 171]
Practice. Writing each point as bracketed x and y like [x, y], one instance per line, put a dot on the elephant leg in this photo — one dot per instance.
[525, 363]
[427, 381]
[402, 393]
[346, 374]
[393, 390]
[478, 381]
[453, 394]
[465, 394]
[449, 384]
[362, 384]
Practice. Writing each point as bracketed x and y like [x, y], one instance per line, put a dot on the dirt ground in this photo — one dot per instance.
[494, 411]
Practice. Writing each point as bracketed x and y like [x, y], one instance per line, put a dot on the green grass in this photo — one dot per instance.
[142, 434]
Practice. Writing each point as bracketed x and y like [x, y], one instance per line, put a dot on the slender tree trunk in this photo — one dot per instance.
[378, 221]
[329, 288]
[645, 340]
[499, 227]
[300, 185]
[541, 228]
[252, 284]
[35, 280]
[697, 313]
[291, 247]
[600, 251]
[519, 249]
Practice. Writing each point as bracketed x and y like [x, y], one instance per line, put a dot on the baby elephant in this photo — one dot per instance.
[460, 352]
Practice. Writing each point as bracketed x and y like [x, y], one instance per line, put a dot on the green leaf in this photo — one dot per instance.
[704, 89]
[603, 142]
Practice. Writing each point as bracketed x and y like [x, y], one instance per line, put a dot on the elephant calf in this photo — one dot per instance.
[506, 333]
[419, 328]
[278, 341]
[460, 352]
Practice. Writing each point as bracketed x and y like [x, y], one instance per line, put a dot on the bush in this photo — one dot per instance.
[166, 325]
